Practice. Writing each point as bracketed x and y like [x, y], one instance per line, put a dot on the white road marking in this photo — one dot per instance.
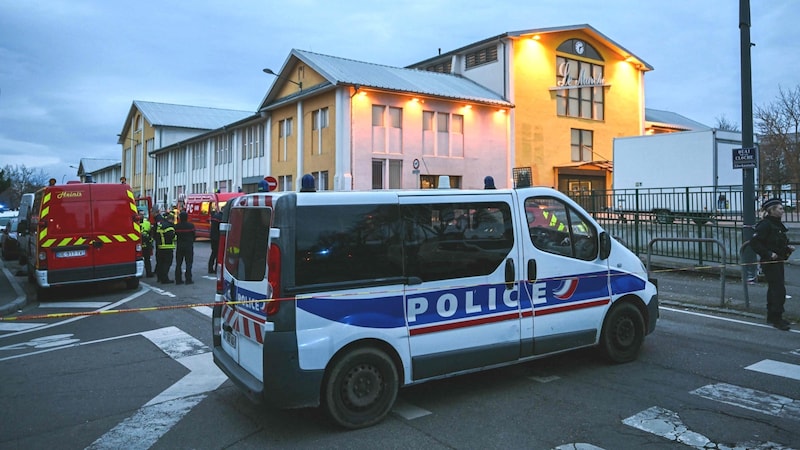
[77, 305]
[160, 414]
[668, 425]
[73, 319]
[724, 319]
[408, 411]
[544, 379]
[18, 326]
[778, 368]
[759, 401]
[204, 310]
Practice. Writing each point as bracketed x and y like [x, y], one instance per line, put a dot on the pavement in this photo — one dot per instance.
[680, 285]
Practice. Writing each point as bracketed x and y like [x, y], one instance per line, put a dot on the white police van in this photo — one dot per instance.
[370, 291]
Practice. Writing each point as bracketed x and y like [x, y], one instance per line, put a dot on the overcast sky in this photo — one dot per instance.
[70, 69]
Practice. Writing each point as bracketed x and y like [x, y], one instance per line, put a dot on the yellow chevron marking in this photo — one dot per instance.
[64, 242]
[48, 243]
[137, 228]
[119, 238]
[80, 241]
[43, 234]
[130, 195]
[133, 236]
[45, 210]
[104, 239]
[46, 198]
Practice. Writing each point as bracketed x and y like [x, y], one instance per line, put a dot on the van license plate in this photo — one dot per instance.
[230, 338]
[70, 253]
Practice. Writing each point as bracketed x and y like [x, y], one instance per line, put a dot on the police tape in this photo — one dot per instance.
[350, 294]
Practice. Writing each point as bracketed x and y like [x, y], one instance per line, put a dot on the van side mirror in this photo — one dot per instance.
[605, 245]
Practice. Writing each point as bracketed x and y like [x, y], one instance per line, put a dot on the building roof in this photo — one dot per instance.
[92, 165]
[182, 116]
[586, 28]
[343, 72]
[669, 119]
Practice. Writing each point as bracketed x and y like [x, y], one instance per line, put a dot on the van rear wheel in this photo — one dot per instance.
[360, 388]
[623, 333]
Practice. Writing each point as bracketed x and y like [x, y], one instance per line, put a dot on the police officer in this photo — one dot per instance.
[184, 234]
[772, 245]
[165, 244]
[147, 245]
[216, 218]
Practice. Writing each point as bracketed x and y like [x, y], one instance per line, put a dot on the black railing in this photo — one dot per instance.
[637, 216]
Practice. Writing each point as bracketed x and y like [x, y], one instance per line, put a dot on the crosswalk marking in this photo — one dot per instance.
[76, 305]
[11, 326]
[408, 411]
[759, 401]
[781, 369]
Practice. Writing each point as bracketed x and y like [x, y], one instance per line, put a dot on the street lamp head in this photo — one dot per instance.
[269, 71]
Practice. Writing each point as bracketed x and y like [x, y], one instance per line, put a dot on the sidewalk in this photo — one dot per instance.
[679, 285]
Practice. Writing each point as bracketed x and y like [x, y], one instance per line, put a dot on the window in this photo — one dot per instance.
[395, 117]
[148, 148]
[319, 119]
[198, 156]
[442, 67]
[180, 160]
[581, 145]
[395, 171]
[432, 181]
[427, 120]
[579, 91]
[457, 124]
[222, 149]
[557, 228]
[284, 131]
[345, 243]
[251, 238]
[285, 183]
[455, 240]
[442, 122]
[482, 56]
[377, 115]
[137, 163]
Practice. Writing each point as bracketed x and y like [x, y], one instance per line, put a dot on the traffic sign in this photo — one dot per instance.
[745, 158]
[272, 183]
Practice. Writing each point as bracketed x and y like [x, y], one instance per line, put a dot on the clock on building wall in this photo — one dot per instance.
[580, 47]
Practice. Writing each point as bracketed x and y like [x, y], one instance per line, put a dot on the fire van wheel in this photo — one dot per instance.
[360, 388]
[623, 333]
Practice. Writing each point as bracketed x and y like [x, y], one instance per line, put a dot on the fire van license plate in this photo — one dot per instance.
[70, 254]
[230, 338]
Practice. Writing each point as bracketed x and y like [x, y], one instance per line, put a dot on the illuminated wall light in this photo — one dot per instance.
[536, 37]
[362, 93]
[467, 106]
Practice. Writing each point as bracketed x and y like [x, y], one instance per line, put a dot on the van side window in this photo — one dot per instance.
[558, 228]
[455, 240]
[251, 263]
[344, 243]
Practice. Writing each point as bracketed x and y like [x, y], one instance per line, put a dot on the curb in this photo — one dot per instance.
[21, 299]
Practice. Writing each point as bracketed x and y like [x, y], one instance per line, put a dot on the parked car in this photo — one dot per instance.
[9, 246]
[6, 217]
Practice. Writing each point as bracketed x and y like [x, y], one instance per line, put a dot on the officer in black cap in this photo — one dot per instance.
[772, 245]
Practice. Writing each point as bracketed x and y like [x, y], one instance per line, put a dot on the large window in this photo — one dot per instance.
[250, 239]
[379, 172]
[453, 240]
[581, 145]
[198, 155]
[223, 145]
[340, 244]
[558, 228]
[482, 56]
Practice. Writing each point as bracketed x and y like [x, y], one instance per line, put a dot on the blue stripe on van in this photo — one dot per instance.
[380, 312]
[623, 282]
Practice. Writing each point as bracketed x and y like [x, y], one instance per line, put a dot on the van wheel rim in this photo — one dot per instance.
[362, 386]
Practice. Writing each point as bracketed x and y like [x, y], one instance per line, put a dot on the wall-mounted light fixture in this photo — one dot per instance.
[299, 84]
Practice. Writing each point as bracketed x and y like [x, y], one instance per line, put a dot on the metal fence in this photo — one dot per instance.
[637, 216]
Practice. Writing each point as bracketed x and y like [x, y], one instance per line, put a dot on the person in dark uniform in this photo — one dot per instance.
[772, 246]
[165, 245]
[184, 251]
[216, 218]
[147, 245]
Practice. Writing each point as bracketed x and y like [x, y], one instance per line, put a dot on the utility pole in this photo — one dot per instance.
[748, 181]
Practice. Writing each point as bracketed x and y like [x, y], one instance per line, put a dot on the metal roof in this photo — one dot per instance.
[92, 165]
[672, 120]
[342, 71]
[182, 116]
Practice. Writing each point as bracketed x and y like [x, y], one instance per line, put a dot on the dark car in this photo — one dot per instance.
[9, 247]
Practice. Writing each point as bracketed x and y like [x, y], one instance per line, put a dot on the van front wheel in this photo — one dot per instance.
[360, 388]
[623, 333]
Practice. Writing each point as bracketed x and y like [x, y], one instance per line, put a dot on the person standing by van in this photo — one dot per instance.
[772, 246]
[184, 233]
[147, 245]
[165, 245]
[216, 218]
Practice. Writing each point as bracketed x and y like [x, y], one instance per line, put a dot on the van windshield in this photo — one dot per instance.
[247, 243]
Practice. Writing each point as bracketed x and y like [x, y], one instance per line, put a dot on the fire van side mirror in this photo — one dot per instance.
[605, 245]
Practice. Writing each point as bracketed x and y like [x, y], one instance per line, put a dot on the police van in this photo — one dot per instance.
[339, 299]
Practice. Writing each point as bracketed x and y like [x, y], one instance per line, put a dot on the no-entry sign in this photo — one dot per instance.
[272, 183]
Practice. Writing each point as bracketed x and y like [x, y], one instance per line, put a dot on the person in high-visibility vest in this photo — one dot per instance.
[165, 246]
[147, 246]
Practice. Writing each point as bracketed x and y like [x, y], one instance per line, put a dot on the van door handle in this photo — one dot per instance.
[532, 270]
[510, 273]
[97, 243]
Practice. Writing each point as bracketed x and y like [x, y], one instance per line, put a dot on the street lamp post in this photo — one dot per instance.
[299, 84]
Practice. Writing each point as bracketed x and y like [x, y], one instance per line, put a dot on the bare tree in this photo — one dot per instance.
[23, 179]
[726, 125]
[778, 124]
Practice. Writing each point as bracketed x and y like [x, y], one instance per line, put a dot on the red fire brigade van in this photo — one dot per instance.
[84, 233]
[200, 206]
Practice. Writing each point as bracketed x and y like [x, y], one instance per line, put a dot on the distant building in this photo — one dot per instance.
[101, 170]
